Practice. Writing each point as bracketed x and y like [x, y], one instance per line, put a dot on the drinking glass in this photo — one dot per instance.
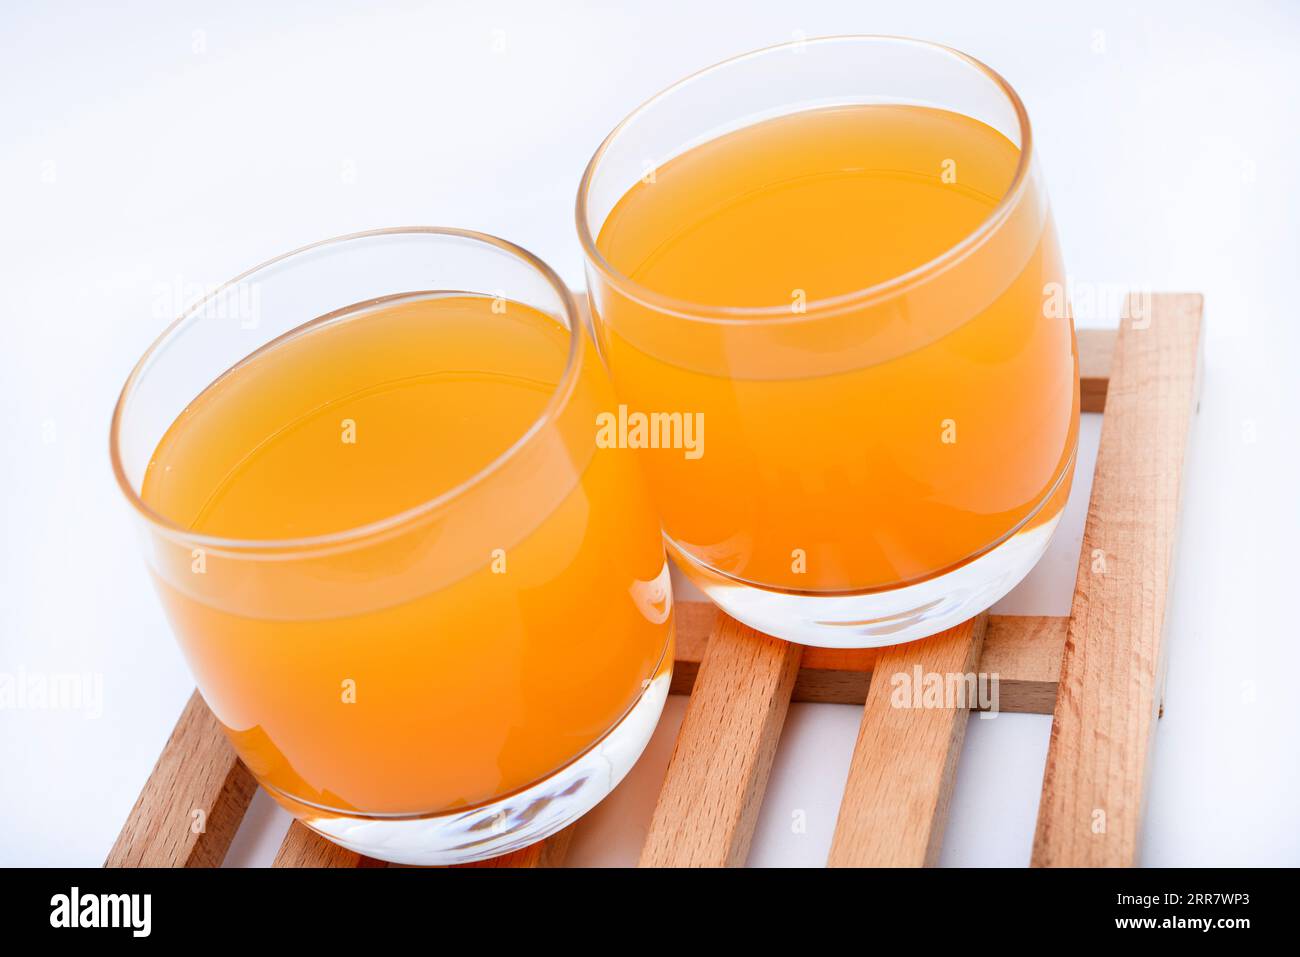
[457, 679]
[883, 451]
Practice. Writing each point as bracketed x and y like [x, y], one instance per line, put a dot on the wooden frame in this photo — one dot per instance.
[1098, 672]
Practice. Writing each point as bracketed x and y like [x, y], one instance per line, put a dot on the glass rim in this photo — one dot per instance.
[831, 305]
[557, 399]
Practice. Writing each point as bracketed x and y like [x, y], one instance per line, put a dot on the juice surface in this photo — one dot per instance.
[446, 665]
[865, 445]
[354, 421]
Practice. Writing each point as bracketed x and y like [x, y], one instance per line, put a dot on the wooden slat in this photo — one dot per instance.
[711, 794]
[1023, 650]
[1113, 666]
[303, 847]
[1096, 349]
[900, 777]
[196, 772]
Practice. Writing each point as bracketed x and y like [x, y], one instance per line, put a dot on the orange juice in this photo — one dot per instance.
[484, 617]
[854, 441]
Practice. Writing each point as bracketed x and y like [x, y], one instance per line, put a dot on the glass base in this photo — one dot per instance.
[877, 618]
[509, 823]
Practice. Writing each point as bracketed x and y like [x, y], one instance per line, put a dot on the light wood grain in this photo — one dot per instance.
[1113, 665]
[303, 847]
[900, 777]
[1023, 650]
[709, 802]
[1096, 352]
[191, 805]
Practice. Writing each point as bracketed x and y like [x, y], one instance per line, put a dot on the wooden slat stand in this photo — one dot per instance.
[1099, 673]
[1113, 668]
[896, 799]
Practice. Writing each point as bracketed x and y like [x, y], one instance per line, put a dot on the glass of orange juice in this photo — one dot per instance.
[827, 284]
[430, 611]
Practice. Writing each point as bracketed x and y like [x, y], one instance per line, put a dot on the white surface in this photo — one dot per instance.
[175, 144]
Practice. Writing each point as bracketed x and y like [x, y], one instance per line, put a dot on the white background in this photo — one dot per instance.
[171, 143]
